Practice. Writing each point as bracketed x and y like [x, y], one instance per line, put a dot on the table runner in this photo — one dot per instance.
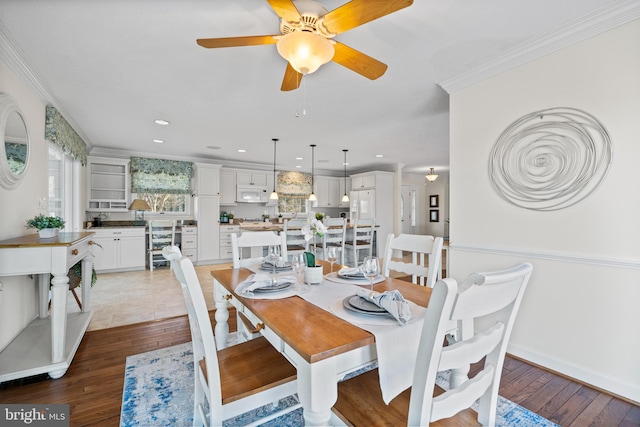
[396, 346]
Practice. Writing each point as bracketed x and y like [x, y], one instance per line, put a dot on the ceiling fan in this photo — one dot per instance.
[306, 40]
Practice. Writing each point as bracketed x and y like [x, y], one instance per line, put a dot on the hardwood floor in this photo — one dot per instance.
[93, 384]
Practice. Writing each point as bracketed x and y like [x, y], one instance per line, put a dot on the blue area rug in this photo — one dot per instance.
[158, 392]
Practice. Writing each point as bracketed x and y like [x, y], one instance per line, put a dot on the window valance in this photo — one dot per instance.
[294, 184]
[58, 131]
[160, 176]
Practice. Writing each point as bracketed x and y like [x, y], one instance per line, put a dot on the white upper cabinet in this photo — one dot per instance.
[327, 190]
[227, 188]
[207, 179]
[252, 178]
[363, 181]
[108, 184]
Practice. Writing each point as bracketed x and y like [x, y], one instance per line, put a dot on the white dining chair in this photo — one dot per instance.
[362, 238]
[495, 297]
[296, 243]
[162, 232]
[255, 239]
[335, 236]
[236, 379]
[425, 252]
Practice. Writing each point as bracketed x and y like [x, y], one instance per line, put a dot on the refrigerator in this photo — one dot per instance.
[362, 204]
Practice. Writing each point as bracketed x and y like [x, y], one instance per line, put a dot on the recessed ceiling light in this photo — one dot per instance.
[379, 155]
[298, 158]
[298, 166]
[161, 122]
[159, 141]
[213, 147]
[242, 151]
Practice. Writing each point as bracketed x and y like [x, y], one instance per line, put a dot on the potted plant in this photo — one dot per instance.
[47, 226]
[265, 217]
[230, 216]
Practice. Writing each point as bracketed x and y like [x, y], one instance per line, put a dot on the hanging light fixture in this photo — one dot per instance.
[274, 194]
[312, 196]
[345, 198]
[432, 176]
[305, 51]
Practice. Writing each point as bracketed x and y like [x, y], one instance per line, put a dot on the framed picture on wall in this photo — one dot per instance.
[434, 215]
[434, 201]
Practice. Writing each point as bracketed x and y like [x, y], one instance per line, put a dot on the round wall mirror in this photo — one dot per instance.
[14, 151]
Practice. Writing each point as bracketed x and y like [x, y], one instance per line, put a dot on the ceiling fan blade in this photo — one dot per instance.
[359, 62]
[285, 9]
[291, 80]
[238, 41]
[357, 12]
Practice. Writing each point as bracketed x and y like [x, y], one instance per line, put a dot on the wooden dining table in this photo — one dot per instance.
[322, 346]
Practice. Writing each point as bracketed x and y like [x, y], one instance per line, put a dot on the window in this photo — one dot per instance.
[293, 192]
[164, 184]
[64, 188]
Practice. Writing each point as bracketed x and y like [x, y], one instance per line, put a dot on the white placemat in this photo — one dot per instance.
[396, 346]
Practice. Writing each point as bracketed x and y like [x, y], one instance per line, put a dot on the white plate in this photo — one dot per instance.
[276, 288]
[337, 308]
[334, 277]
[361, 305]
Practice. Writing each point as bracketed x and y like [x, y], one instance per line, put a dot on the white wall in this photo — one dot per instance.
[18, 295]
[580, 313]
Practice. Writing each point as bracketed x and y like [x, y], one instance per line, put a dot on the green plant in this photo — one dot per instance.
[230, 216]
[319, 216]
[40, 222]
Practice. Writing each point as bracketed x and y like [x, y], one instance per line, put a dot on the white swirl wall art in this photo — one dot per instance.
[550, 159]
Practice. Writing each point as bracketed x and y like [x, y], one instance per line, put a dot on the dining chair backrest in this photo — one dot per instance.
[255, 239]
[162, 233]
[334, 236]
[362, 238]
[296, 243]
[425, 252]
[221, 377]
[495, 297]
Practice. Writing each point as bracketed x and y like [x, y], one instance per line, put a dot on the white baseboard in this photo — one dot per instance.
[626, 390]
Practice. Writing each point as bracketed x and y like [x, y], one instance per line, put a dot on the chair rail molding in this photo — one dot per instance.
[553, 256]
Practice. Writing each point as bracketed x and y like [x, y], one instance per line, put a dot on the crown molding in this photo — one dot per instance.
[12, 55]
[597, 22]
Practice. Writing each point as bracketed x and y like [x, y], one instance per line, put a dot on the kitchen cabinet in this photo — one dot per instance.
[361, 181]
[189, 243]
[373, 202]
[226, 231]
[327, 190]
[258, 179]
[207, 179]
[108, 184]
[123, 249]
[208, 217]
[228, 188]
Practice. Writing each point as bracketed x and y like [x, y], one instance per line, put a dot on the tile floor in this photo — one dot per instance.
[124, 298]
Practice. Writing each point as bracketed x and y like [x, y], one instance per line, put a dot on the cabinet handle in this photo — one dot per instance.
[259, 326]
[74, 252]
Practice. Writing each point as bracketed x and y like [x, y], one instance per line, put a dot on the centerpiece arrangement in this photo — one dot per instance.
[47, 226]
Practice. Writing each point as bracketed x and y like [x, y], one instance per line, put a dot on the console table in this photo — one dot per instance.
[48, 343]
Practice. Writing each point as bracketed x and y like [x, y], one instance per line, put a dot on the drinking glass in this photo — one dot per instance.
[274, 256]
[332, 255]
[371, 268]
[298, 264]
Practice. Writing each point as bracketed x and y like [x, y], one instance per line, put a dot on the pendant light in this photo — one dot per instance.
[345, 198]
[432, 176]
[274, 194]
[312, 196]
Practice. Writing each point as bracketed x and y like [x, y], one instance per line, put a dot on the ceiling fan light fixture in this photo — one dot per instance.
[305, 51]
[432, 176]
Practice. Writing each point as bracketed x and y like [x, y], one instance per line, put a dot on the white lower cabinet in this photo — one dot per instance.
[189, 244]
[208, 217]
[225, 240]
[122, 249]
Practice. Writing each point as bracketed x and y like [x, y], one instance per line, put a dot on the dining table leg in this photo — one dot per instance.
[221, 329]
[317, 390]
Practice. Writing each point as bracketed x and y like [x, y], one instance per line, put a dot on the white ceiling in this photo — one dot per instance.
[113, 66]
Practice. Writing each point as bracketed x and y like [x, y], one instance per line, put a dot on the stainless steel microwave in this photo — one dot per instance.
[251, 194]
